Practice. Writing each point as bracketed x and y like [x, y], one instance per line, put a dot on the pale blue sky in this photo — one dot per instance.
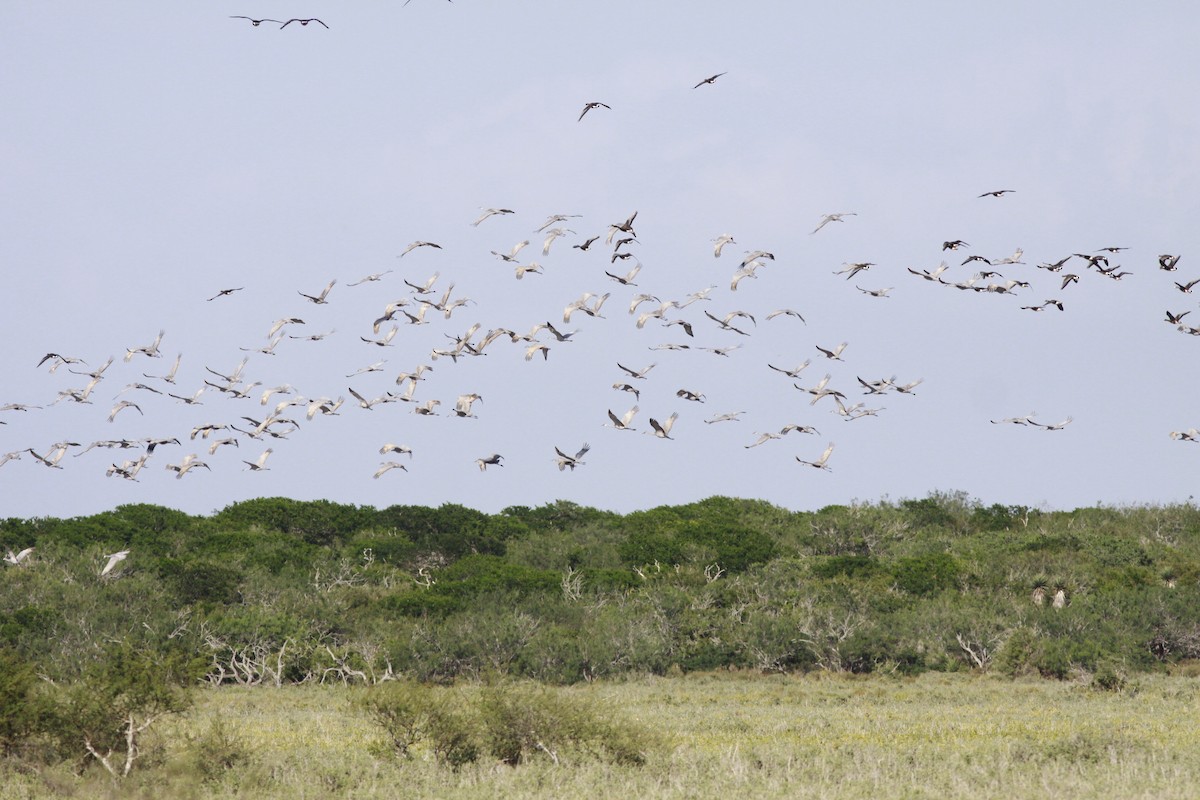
[157, 153]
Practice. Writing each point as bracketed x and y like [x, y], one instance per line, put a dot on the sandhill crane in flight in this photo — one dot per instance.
[395, 448]
[425, 288]
[374, 276]
[319, 299]
[785, 312]
[688, 394]
[663, 429]
[622, 423]
[219, 443]
[625, 387]
[535, 348]
[589, 106]
[533, 267]
[720, 242]
[828, 218]
[554, 219]
[489, 461]
[551, 235]
[113, 560]
[170, 376]
[53, 456]
[369, 404]
[586, 244]
[462, 406]
[511, 256]
[639, 374]
[834, 354]
[16, 558]
[875, 292]
[564, 461]
[256, 22]
[854, 269]
[627, 278]
[148, 350]
[820, 463]
[1025, 420]
[259, 464]
[190, 462]
[388, 465]
[1058, 426]
[414, 245]
[795, 371]
[426, 409]
[621, 227]
[730, 417]
[491, 212]
[120, 406]
[57, 361]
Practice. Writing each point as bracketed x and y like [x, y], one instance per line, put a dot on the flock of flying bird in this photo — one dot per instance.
[423, 300]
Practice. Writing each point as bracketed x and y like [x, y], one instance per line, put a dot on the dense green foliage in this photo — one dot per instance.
[275, 591]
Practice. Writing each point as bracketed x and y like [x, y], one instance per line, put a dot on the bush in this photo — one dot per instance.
[926, 575]
[510, 722]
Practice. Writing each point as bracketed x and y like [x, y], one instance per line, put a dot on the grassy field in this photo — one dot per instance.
[721, 735]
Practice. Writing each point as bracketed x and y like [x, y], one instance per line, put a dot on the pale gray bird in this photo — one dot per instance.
[828, 218]
[113, 560]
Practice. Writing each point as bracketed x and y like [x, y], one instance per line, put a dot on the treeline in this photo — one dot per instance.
[276, 591]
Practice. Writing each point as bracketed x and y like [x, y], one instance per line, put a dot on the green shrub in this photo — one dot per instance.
[927, 574]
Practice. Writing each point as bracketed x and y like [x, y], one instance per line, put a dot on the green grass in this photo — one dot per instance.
[722, 735]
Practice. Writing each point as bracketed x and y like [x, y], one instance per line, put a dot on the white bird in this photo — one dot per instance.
[149, 350]
[319, 299]
[731, 417]
[663, 429]
[639, 374]
[564, 461]
[720, 242]
[553, 219]
[820, 463]
[386, 341]
[491, 212]
[533, 267]
[794, 372]
[828, 218]
[535, 348]
[259, 464]
[113, 560]
[1058, 426]
[376, 276]
[16, 559]
[835, 353]
[511, 255]
[551, 235]
[426, 408]
[414, 245]
[622, 423]
[190, 462]
[462, 406]
[395, 448]
[627, 279]
[218, 443]
[427, 286]
[875, 292]
[389, 465]
[786, 311]
[123, 405]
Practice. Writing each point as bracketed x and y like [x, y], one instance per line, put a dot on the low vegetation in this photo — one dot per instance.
[461, 632]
